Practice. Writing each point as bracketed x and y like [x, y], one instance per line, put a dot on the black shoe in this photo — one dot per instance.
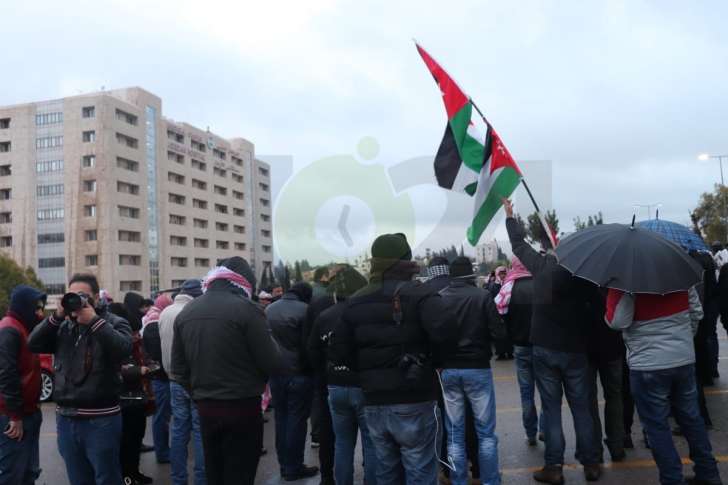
[502, 357]
[549, 474]
[593, 472]
[617, 455]
[127, 480]
[263, 451]
[541, 437]
[143, 479]
[531, 441]
[315, 444]
[695, 481]
[628, 444]
[305, 472]
[145, 448]
[716, 374]
[647, 441]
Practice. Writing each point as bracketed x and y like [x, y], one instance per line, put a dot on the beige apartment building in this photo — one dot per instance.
[104, 183]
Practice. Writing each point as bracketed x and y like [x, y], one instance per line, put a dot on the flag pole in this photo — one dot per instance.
[545, 225]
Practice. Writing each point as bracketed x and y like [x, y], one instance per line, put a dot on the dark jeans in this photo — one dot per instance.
[610, 376]
[655, 394]
[133, 424]
[527, 385]
[316, 412]
[90, 449]
[160, 422]
[559, 373]
[185, 425]
[20, 460]
[232, 437]
[292, 399]
[404, 437]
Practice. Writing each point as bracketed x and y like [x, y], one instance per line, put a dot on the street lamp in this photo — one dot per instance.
[649, 207]
[707, 156]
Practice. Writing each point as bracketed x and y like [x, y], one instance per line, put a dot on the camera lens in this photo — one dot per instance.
[72, 302]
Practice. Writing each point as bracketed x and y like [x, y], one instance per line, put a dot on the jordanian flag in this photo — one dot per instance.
[471, 157]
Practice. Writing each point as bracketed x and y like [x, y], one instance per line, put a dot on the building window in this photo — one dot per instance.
[199, 204]
[266, 249]
[264, 202]
[48, 118]
[175, 157]
[88, 161]
[5, 194]
[89, 186]
[176, 137]
[240, 246]
[237, 177]
[265, 232]
[265, 217]
[176, 178]
[130, 260]
[90, 235]
[239, 229]
[202, 262]
[199, 165]
[199, 146]
[176, 198]
[222, 209]
[127, 188]
[89, 210]
[177, 240]
[220, 190]
[129, 141]
[4, 123]
[51, 238]
[236, 160]
[130, 286]
[199, 223]
[130, 236]
[221, 226]
[201, 243]
[6, 241]
[49, 190]
[51, 262]
[219, 154]
[178, 220]
[219, 172]
[238, 212]
[92, 260]
[177, 261]
[222, 245]
[199, 184]
[48, 166]
[238, 195]
[4, 146]
[7, 217]
[130, 212]
[88, 112]
[263, 187]
[5, 170]
[45, 142]
[126, 117]
[48, 214]
[127, 164]
[263, 171]
[88, 136]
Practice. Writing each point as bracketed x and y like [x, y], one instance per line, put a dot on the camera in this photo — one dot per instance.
[73, 302]
[413, 366]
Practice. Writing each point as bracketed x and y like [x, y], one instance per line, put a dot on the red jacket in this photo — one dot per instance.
[28, 372]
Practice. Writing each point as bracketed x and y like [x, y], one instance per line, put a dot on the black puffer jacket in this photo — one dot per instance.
[318, 348]
[369, 340]
[520, 310]
[87, 361]
[288, 322]
[478, 325]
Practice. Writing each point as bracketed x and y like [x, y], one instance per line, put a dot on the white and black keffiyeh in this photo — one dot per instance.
[437, 270]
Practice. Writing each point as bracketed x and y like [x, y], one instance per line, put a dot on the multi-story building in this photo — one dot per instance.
[104, 183]
[486, 252]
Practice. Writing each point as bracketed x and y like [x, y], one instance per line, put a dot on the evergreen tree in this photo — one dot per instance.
[298, 275]
[12, 275]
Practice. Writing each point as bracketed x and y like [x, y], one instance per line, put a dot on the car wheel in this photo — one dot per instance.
[46, 386]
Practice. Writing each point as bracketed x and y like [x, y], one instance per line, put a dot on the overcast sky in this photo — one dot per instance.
[620, 97]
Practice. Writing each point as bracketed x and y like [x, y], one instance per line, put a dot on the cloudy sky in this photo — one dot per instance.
[619, 97]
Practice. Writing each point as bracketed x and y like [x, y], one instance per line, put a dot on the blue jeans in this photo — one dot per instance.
[655, 393]
[404, 436]
[292, 399]
[347, 415]
[20, 460]
[90, 448]
[160, 422]
[559, 373]
[185, 423]
[476, 386]
[527, 384]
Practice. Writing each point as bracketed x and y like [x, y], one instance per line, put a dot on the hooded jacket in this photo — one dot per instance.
[19, 368]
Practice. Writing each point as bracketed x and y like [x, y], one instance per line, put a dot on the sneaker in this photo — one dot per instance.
[550, 474]
[145, 448]
[531, 441]
[143, 479]
[628, 444]
[315, 444]
[593, 472]
[304, 472]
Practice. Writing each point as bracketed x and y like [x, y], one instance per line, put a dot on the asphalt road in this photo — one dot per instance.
[517, 460]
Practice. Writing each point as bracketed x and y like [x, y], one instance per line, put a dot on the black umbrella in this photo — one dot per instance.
[630, 259]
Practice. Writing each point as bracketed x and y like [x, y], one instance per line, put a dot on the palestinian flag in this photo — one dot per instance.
[471, 157]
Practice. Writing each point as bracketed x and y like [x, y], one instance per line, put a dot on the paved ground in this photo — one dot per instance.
[517, 460]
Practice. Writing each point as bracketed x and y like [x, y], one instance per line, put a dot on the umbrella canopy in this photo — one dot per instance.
[677, 233]
[630, 259]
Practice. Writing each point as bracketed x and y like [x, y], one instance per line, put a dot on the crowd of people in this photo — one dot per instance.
[400, 363]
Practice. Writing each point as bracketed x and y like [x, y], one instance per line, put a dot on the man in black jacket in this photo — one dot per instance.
[292, 391]
[88, 351]
[559, 337]
[386, 335]
[466, 374]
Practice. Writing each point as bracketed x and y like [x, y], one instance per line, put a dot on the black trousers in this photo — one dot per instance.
[133, 424]
[326, 436]
[232, 437]
[627, 401]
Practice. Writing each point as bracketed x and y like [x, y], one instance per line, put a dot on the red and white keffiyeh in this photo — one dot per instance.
[503, 298]
[223, 273]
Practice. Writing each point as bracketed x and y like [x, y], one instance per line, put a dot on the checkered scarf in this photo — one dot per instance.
[437, 270]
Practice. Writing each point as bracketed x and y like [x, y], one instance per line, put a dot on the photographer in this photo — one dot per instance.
[88, 349]
[386, 335]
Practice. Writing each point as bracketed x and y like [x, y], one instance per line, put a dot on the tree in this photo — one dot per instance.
[535, 229]
[266, 279]
[298, 277]
[709, 217]
[12, 275]
[279, 272]
[594, 220]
